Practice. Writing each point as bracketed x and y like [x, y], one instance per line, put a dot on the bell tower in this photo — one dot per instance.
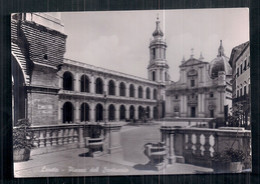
[158, 67]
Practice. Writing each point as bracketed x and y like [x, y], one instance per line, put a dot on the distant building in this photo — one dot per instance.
[240, 62]
[204, 89]
[48, 89]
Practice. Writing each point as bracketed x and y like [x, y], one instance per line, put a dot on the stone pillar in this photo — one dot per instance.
[112, 138]
[105, 86]
[76, 82]
[136, 91]
[136, 112]
[200, 101]
[92, 84]
[127, 94]
[105, 112]
[127, 111]
[171, 157]
[203, 104]
[183, 113]
[169, 106]
[151, 112]
[117, 88]
[117, 113]
[60, 82]
[59, 112]
[92, 112]
[81, 143]
[77, 112]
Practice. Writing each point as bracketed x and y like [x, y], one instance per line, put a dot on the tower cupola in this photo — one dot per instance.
[158, 67]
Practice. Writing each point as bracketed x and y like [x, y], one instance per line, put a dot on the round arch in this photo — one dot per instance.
[99, 86]
[148, 112]
[111, 88]
[131, 112]
[84, 112]
[84, 83]
[132, 90]
[67, 112]
[68, 81]
[122, 112]
[140, 112]
[99, 112]
[111, 112]
[19, 93]
[122, 89]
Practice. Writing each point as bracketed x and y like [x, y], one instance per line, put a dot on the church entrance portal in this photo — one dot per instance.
[193, 112]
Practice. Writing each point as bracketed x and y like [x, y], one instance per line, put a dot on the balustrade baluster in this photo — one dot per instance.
[207, 145]
[71, 134]
[54, 137]
[42, 138]
[65, 136]
[60, 136]
[75, 135]
[189, 144]
[198, 144]
[48, 137]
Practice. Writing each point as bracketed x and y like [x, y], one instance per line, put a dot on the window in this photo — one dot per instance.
[237, 93]
[99, 86]
[84, 84]
[241, 92]
[192, 83]
[132, 90]
[211, 95]
[155, 94]
[153, 76]
[111, 88]
[245, 64]
[212, 113]
[245, 90]
[237, 72]
[122, 89]
[176, 97]
[140, 92]
[147, 93]
[67, 81]
[241, 68]
[153, 53]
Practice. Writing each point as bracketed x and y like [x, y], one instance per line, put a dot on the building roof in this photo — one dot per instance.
[236, 52]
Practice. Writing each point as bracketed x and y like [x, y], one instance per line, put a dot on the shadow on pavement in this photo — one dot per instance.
[147, 166]
[84, 154]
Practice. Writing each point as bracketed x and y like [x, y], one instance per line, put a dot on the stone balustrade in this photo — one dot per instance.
[197, 145]
[53, 138]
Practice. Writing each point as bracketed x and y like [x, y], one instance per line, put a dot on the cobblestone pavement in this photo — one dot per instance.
[131, 161]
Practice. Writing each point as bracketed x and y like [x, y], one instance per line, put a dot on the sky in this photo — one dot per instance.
[119, 40]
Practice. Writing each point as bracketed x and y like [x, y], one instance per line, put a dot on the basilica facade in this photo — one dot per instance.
[204, 89]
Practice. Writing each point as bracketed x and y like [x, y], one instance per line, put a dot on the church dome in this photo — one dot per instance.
[220, 63]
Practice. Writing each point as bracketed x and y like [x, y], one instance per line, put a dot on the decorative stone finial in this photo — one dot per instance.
[192, 50]
[201, 56]
[221, 49]
[158, 31]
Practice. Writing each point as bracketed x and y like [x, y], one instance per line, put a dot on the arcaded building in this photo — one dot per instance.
[204, 89]
[49, 89]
